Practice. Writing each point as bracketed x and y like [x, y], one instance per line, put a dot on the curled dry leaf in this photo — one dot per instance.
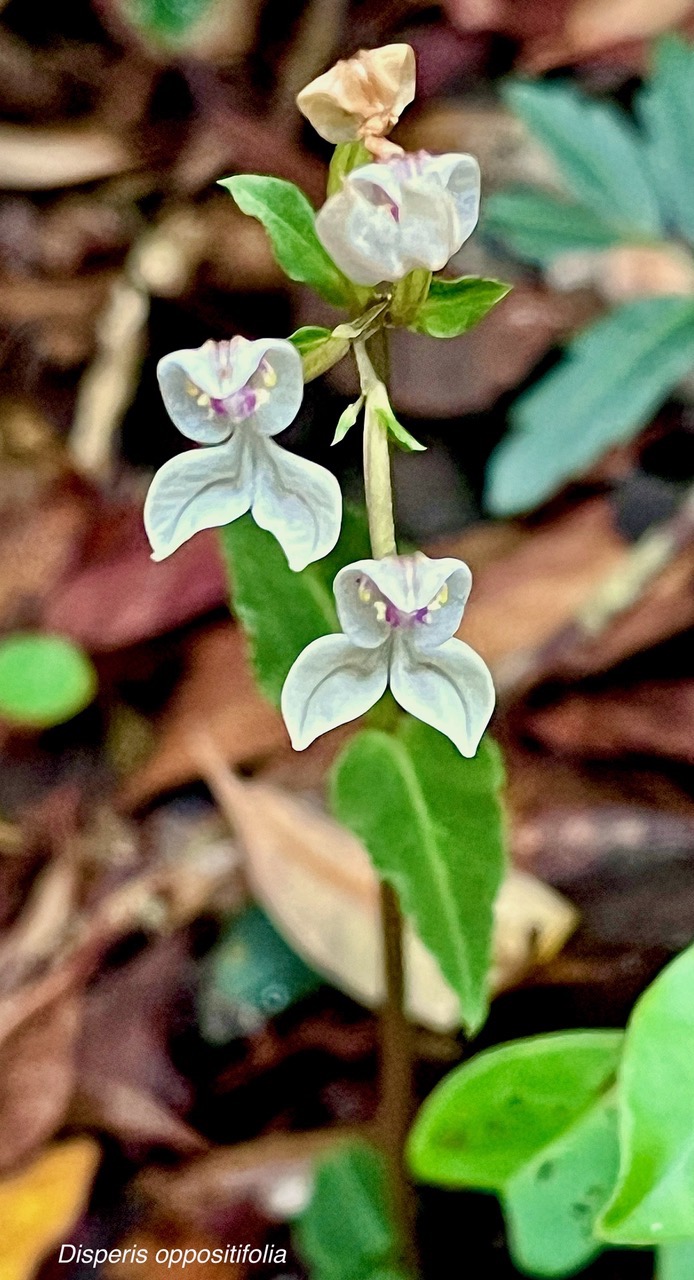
[123, 598]
[317, 884]
[39, 1206]
[33, 159]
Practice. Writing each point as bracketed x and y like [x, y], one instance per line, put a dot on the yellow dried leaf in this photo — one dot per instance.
[39, 1205]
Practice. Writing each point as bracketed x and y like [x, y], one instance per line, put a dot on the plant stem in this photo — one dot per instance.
[397, 1092]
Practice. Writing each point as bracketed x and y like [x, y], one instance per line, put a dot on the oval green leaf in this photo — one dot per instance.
[289, 221]
[44, 680]
[454, 306]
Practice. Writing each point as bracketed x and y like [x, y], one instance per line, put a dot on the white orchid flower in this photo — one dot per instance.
[234, 396]
[388, 219]
[398, 617]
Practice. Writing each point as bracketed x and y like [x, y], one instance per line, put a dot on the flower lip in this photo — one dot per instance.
[209, 390]
[412, 594]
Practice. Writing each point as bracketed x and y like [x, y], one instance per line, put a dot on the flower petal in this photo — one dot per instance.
[362, 238]
[358, 616]
[450, 688]
[215, 370]
[200, 489]
[296, 500]
[460, 175]
[331, 683]
[286, 389]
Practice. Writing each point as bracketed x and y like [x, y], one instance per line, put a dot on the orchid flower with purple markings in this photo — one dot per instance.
[398, 617]
[233, 397]
[410, 212]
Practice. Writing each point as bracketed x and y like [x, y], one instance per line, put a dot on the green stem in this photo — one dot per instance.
[371, 361]
[397, 1089]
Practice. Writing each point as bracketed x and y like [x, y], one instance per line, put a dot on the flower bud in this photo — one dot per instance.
[361, 97]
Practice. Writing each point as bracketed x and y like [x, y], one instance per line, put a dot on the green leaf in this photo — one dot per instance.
[346, 1233]
[319, 349]
[654, 1198]
[665, 107]
[168, 19]
[346, 156]
[676, 1261]
[378, 402]
[615, 375]
[597, 149]
[282, 611]
[289, 221]
[394, 427]
[432, 823]
[44, 680]
[454, 306]
[347, 419]
[539, 227]
[534, 1122]
[250, 976]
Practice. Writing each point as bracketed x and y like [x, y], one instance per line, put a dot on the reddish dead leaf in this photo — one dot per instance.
[37, 1067]
[126, 1079]
[654, 718]
[126, 598]
[664, 609]
[41, 539]
[218, 694]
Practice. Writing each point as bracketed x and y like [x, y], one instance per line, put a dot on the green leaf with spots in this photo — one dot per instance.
[44, 680]
[654, 1198]
[290, 221]
[346, 1232]
[614, 376]
[599, 152]
[539, 227]
[454, 306]
[534, 1122]
[282, 611]
[432, 823]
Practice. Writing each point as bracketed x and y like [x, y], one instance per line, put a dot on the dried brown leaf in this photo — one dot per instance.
[317, 883]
